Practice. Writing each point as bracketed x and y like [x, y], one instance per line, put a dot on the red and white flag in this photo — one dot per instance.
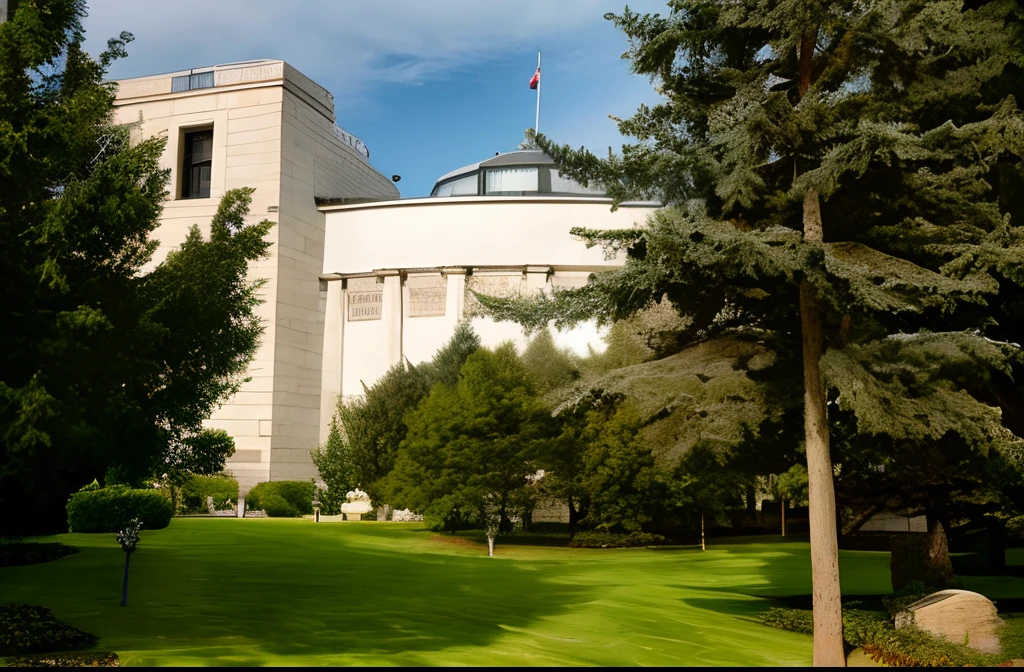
[535, 80]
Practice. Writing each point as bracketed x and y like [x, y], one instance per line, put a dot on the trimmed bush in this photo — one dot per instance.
[594, 539]
[197, 488]
[27, 628]
[298, 495]
[277, 506]
[109, 509]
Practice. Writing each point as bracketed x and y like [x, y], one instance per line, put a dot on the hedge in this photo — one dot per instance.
[593, 539]
[109, 509]
[197, 488]
[282, 499]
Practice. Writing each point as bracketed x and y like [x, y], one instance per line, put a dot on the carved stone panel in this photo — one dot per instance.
[505, 286]
[365, 299]
[428, 295]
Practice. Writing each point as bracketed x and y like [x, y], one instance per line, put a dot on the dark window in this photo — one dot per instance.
[203, 80]
[195, 168]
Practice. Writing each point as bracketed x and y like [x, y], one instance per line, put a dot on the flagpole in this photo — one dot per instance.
[536, 125]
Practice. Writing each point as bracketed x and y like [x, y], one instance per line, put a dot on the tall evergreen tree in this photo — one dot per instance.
[470, 447]
[101, 364]
[372, 426]
[846, 162]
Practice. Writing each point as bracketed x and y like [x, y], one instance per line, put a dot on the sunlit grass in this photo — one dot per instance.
[290, 592]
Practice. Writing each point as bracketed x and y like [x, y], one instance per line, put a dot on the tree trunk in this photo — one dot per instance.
[702, 546]
[124, 590]
[783, 516]
[921, 557]
[490, 545]
[996, 545]
[828, 615]
[827, 595]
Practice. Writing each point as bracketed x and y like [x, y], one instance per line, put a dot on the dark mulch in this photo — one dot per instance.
[29, 628]
[65, 659]
[22, 553]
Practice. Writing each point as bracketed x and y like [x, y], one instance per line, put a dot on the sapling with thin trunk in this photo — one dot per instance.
[129, 539]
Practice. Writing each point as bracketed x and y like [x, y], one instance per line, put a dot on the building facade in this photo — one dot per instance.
[357, 279]
[264, 125]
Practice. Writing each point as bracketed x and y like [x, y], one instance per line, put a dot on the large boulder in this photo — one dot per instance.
[958, 615]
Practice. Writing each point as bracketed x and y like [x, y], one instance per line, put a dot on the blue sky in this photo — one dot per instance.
[428, 85]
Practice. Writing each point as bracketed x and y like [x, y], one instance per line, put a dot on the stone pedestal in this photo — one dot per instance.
[958, 615]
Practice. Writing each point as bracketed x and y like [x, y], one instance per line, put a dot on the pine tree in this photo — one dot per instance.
[844, 162]
[470, 447]
[372, 426]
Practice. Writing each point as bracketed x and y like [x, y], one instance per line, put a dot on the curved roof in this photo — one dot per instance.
[529, 157]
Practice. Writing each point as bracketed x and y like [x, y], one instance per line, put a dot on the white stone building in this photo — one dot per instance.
[264, 125]
[357, 280]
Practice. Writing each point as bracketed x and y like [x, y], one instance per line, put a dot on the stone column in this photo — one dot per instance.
[334, 355]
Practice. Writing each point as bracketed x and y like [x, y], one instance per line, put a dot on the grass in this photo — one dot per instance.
[288, 592]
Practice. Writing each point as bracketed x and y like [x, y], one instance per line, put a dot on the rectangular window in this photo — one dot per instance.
[197, 163]
[512, 181]
[203, 80]
[464, 186]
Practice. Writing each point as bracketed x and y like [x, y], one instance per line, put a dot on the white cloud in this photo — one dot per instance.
[406, 42]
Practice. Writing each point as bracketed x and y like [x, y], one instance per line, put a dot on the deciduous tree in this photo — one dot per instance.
[102, 364]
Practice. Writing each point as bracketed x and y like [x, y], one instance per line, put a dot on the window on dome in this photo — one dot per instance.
[565, 185]
[462, 186]
[512, 181]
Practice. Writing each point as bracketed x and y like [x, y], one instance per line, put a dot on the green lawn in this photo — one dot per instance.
[289, 592]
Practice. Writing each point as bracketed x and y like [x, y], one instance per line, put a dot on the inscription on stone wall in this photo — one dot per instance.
[505, 286]
[427, 295]
[365, 299]
[258, 73]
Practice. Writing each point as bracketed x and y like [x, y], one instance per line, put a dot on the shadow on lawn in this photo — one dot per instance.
[782, 577]
[355, 601]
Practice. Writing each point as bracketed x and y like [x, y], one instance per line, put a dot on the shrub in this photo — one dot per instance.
[794, 620]
[906, 647]
[906, 596]
[595, 539]
[14, 553]
[297, 494]
[910, 647]
[109, 509]
[277, 506]
[197, 488]
[27, 628]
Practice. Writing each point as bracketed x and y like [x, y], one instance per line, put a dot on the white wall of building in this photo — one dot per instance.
[503, 246]
[273, 130]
